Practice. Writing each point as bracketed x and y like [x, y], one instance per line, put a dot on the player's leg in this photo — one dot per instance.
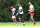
[22, 19]
[12, 20]
[28, 16]
[15, 21]
[32, 18]
[18, 16]
[32, 14]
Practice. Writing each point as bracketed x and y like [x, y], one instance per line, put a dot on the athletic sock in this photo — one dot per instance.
[34, 22]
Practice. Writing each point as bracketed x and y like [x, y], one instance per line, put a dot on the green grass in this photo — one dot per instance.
[9, 24]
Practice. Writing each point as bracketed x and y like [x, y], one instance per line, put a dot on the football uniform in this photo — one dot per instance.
[21, 11]
[31, 7]
[14, 13]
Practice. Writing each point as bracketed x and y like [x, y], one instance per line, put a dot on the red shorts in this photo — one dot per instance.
[32, 14]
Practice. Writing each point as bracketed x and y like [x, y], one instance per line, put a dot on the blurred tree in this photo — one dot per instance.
[5, 10]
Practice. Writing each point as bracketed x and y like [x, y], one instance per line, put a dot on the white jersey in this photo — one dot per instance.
[31, 7]
[20, 8]
[13, 10]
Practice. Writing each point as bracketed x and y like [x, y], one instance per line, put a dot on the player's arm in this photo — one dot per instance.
[20, 10]
[13, 12]
[30, 9]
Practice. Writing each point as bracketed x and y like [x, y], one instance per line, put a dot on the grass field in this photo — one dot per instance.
[10, 24]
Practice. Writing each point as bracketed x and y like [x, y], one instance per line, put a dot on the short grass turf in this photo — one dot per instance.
[27, 24]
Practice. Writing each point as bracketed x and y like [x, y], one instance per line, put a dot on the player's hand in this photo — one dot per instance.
[29, 10]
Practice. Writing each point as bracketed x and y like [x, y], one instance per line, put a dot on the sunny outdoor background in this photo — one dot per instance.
[5, 10]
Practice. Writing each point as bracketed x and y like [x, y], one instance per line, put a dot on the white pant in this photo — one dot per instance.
[13, 16]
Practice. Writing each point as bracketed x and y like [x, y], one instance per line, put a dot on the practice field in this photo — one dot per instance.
[27, 24]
